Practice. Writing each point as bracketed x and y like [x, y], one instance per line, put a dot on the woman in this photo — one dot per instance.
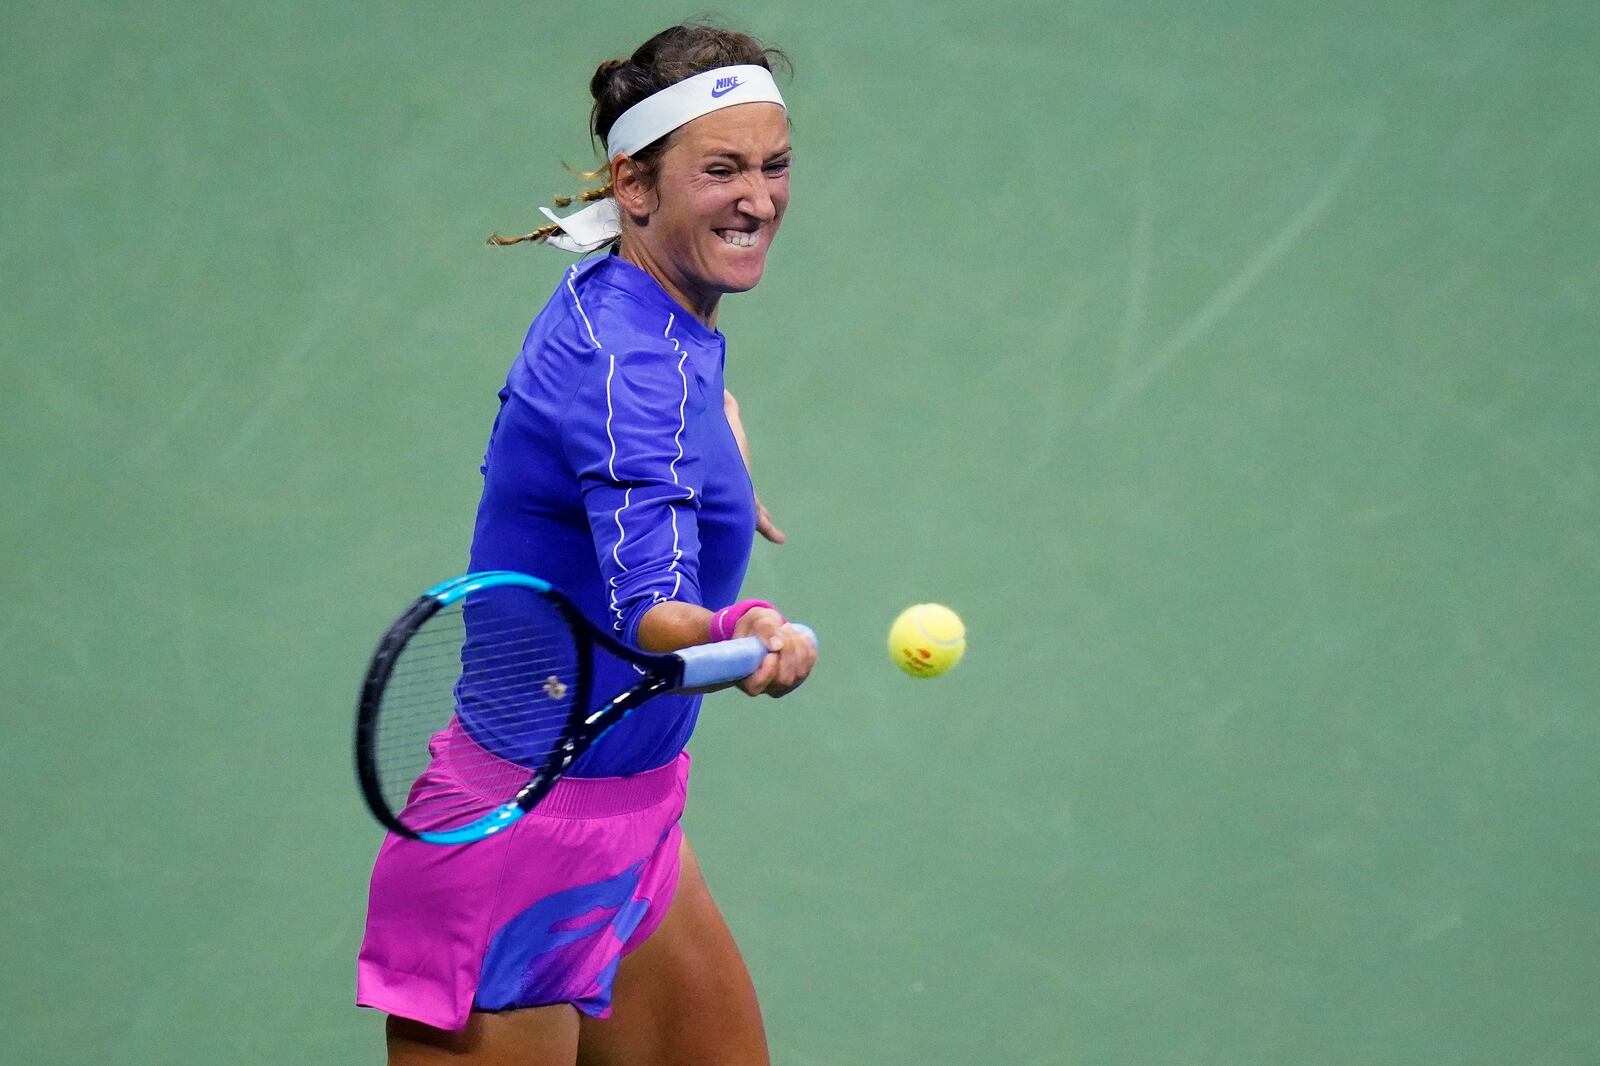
[615, 471]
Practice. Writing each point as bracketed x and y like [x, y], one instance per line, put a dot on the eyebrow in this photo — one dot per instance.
[731, 154]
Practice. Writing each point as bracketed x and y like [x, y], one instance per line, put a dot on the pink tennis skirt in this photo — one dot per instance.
[538, 914]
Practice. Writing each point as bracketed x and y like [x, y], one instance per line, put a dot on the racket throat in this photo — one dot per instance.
[589, 731]
[609, 714]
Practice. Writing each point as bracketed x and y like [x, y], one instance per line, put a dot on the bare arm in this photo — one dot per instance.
[764, 523]
[672, 625]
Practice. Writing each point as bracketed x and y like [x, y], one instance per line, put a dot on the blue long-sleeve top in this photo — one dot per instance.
[612, 473]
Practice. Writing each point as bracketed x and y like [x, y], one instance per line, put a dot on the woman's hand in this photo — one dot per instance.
[790, 656]
[766, 526]
[672, 625]
[764, 523]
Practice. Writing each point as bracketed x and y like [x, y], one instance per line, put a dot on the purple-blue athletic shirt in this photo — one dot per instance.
[612, 473]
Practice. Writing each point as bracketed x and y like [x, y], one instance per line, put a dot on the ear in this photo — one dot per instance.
[633, 195]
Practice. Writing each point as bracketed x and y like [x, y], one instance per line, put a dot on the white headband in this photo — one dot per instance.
[679, 104]
[647, 122]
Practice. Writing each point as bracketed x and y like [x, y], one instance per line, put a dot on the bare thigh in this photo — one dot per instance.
[537, 1036]
[684, 997]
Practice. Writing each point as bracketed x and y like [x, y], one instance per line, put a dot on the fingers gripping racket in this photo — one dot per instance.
[479, 698]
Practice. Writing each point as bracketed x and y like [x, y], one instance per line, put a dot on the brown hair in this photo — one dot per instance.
[672, 55]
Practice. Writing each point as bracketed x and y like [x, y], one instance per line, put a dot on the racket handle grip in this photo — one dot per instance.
[728, 660]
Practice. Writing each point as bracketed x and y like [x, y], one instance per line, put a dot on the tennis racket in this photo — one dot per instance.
[479, 698]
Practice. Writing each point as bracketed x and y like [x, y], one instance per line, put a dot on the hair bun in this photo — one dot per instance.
[603, 74]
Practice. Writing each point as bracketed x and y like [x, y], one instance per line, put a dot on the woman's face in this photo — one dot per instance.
[721, 189]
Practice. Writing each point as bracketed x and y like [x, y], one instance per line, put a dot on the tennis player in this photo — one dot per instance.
[614, 470]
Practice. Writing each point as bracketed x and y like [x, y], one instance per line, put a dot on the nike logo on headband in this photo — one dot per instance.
[723, 87]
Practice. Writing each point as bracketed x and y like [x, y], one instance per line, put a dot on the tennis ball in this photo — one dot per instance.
[926, 640]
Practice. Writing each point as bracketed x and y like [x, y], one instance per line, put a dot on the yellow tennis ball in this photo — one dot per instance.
[926, 640]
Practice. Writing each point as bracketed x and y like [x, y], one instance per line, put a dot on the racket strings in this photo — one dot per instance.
[522, 697]
[424, 690]
[476, 702]
[425, 641]
[479, 650]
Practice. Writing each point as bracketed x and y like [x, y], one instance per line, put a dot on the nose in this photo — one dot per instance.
[757, 199]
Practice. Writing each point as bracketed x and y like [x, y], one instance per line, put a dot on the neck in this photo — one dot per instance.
[703, 307]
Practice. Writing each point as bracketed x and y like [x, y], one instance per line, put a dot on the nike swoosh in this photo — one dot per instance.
[718, 93]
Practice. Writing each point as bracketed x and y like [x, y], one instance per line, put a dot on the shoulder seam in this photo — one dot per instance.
[572, 272]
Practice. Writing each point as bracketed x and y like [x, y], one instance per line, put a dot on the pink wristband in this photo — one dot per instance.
[723, 621]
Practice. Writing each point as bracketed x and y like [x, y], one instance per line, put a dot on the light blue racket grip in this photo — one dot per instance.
[727, 660]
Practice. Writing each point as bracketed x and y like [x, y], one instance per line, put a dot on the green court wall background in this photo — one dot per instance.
[1231, 367]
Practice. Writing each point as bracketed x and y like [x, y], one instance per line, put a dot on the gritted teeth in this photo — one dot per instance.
[739, 238]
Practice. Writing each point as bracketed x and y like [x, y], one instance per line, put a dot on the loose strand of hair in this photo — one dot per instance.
[544, 232]
[540, 234]
[587, 196]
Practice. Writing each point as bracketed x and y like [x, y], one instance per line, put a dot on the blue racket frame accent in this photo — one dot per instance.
[448, 592]
[485, 827]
